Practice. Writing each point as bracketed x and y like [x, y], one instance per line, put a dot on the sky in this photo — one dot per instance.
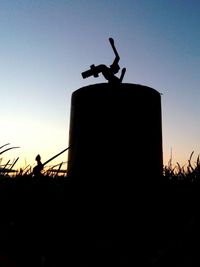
[46, 44]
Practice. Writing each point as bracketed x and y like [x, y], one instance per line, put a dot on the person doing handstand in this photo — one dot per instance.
[108, 72]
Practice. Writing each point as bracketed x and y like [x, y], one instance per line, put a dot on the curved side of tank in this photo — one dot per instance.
[115, 134]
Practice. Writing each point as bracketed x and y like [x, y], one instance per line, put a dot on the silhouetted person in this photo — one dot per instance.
[108, 72]
[37, 169]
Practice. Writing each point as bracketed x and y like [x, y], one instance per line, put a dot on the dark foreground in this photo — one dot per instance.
[52, 222]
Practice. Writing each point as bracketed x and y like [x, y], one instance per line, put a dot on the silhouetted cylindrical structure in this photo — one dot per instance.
[115, 134]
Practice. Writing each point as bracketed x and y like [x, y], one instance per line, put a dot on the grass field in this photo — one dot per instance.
[47, 220]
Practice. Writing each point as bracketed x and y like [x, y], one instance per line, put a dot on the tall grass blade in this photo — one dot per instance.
[4, 145]
[9, 149]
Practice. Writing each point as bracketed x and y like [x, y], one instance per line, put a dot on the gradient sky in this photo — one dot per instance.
[46, 44]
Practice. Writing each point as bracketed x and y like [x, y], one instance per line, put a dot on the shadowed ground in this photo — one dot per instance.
[51, 222]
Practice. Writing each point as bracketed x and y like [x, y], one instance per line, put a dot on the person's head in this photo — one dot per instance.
[38, 158]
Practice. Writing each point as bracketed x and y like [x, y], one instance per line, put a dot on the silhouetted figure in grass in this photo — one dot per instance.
[108, 72]
[37, 169]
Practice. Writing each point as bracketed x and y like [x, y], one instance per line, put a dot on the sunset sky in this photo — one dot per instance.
[46, 44]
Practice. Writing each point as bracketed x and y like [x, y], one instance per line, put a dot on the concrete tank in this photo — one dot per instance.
[115, 135]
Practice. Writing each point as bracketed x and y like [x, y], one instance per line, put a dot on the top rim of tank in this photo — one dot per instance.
[116, 86]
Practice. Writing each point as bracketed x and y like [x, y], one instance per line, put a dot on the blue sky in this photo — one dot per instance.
[45, 45]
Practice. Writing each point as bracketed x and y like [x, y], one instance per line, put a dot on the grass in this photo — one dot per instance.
[53, 220]
[188, 173]
[7, 168]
